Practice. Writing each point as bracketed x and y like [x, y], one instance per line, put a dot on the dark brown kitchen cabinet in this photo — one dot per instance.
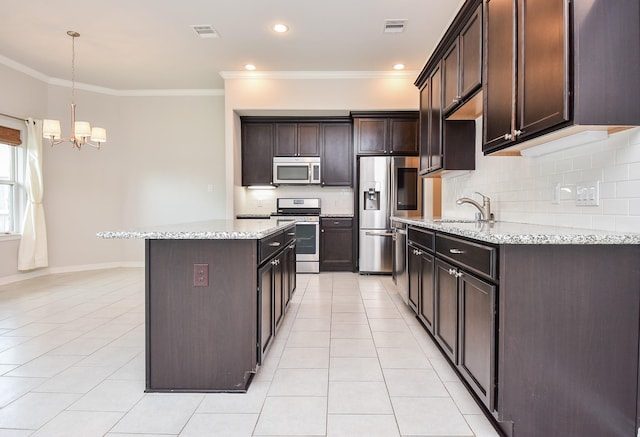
[477, 339]
[256, 151]
[380, 133]
[337, 154]
[276, 285]
[444, 144]
[420, 266]
[446, 309]
[462, 64]
[552, 64]
[421, 297]
[336, 244]
[266, 294]
[297, 139]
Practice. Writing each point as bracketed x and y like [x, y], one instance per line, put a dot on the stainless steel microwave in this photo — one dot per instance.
[296, 170]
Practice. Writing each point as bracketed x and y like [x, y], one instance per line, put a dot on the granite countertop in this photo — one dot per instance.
[207, 230]
[521, 233]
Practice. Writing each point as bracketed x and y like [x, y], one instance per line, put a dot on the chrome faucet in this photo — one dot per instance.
[485, 209]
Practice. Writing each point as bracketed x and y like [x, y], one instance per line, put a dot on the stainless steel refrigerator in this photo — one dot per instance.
[387, 186]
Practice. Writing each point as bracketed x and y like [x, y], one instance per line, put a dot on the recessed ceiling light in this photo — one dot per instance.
[280, 28]
[398, 67]
[250, 67]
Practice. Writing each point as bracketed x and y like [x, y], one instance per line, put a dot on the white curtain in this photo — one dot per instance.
[33, 244]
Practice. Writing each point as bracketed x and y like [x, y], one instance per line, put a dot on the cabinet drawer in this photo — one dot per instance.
[270, 245]
[335, 222]
[289, 234]
[422, 238]
[473, 256]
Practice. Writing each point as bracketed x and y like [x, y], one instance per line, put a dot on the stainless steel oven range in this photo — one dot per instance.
[306, 213]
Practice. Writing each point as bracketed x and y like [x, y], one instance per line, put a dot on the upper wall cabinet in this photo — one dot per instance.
[552, 64]
[337, 154]
[257, 152]
[449, 85]
[297, 139]
[382, 133]
[462, 64]
[329, 138]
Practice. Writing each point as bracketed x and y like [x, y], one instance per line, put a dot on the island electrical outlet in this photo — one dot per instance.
[201, 275]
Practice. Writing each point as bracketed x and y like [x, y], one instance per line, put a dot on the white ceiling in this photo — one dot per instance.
[149, 44]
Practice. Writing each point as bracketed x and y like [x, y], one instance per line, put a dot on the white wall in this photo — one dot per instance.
[271, 96]
[521, 188]
[163, 162]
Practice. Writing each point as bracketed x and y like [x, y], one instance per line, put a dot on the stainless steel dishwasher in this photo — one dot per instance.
[400, 273]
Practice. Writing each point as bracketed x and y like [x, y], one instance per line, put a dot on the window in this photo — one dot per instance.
[12, 192]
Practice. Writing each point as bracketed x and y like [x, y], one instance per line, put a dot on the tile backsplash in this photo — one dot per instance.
[334, 200]
[542, 190]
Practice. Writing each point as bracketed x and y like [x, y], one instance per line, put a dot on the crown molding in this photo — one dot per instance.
[108, 91]
[319, 75]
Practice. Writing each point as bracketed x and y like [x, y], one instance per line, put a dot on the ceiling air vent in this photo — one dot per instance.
[205, 31]
[394, 26]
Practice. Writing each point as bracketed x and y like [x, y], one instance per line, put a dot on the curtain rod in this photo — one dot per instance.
[15, 118]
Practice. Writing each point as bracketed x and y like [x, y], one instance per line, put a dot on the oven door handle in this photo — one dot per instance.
[379, 234]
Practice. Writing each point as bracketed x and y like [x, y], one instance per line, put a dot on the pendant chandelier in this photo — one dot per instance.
[81, 131]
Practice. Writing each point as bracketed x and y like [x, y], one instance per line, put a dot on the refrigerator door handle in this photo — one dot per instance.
[379, 234]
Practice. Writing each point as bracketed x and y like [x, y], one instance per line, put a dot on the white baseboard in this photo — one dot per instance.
[68, 269]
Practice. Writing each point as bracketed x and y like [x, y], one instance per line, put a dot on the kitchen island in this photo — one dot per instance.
[542, 323]
[216, 292]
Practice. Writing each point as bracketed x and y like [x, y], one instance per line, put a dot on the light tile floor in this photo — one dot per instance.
[349, 360]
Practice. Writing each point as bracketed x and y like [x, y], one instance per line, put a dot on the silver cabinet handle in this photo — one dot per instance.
[456, 251]
[274, 262]
[336, 223]
[459, 274]
[291, 233]
[452, 272]
[274, 244]
[508, 136]
[517, 133]
[292, 246]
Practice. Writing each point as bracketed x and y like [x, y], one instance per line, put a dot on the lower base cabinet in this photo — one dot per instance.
[457, 307]
[477, 338]
[277, 282]
[336, 244]
[446, 309]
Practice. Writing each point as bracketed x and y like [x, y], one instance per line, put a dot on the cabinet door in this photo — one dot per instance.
[286, 139]
[371, 136]
[278, 290]
[425, 155]
[543, 65]
[403, 135]
[450, 75]
[446, 309]
[337, 154]
[471, 55]
[414, 266]
[435, 120]
[257, 150]
[308, 139]
[336, 245]
[477, 336]
[290, 271]
[426, 312]
[265, 309]
[499, 81]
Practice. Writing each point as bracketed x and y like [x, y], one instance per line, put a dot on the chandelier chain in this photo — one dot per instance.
[73, 69]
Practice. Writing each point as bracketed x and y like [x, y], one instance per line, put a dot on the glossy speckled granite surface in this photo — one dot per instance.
[207, 230]
[522, 233]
